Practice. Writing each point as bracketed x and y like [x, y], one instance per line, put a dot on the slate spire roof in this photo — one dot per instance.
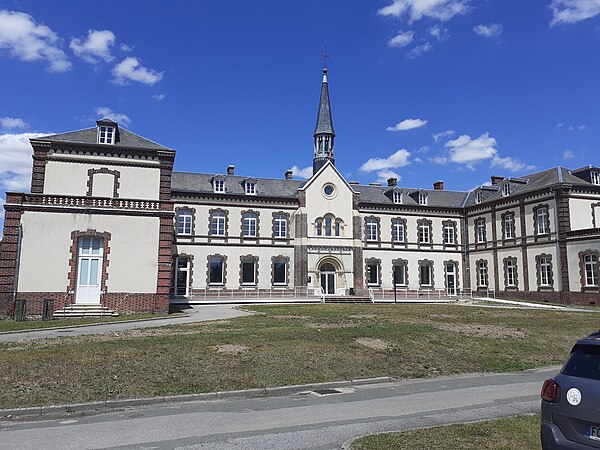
[324, 121]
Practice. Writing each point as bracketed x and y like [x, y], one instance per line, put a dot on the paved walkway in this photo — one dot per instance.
[196, 314]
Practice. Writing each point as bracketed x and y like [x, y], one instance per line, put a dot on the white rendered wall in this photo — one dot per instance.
[582, 214]
[45, 251]
[573, 250]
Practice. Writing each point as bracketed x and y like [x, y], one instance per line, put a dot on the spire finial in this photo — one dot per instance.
[325, 56]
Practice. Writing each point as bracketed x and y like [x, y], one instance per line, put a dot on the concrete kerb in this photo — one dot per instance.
[56, 411]
[116, 322]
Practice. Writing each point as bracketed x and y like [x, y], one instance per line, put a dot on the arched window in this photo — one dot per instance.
[327, 226]
[319, 226]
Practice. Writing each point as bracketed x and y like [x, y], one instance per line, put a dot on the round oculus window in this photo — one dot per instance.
[328, 190]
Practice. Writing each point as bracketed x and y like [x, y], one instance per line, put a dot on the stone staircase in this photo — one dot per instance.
[347, 299]
[84, 311]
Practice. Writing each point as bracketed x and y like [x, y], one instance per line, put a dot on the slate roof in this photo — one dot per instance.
[435, 198]
[89, 136]
[324, 120]
[187, 182]
[534, 181]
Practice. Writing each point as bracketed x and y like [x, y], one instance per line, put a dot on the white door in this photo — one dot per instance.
[328, 276]
[89, 270]
[451, 279]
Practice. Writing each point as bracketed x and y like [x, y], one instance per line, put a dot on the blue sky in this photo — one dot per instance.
[423, 90]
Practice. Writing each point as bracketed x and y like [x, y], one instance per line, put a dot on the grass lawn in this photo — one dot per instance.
[11, 325]
[515, 433]
[287, 345]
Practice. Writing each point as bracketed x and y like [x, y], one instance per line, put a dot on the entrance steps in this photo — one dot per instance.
[84, 311]
[347, 299]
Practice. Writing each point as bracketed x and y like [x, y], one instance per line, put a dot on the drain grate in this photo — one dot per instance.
[327, 391]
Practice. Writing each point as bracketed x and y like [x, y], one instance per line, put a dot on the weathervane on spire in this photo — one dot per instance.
[325, 55]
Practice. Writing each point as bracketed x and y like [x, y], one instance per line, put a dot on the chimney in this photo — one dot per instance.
[230, 169]
[438, 185]
[392, 181]
[288, 174]
[374, 184]
[496, 180]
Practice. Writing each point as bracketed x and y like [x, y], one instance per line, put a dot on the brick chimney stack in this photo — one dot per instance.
[288, 174]
[392, 181]
[438, 185]
[230, 169]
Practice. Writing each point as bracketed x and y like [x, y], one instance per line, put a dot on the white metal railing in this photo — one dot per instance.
[90, 202]
[249, 293]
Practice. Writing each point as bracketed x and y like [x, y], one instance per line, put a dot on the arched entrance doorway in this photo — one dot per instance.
[328, 276]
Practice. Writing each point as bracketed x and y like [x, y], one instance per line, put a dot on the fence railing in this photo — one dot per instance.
[251, 294]
[90, 202]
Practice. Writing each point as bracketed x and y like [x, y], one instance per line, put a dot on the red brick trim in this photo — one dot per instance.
[286, 260]
[403, 243]
[257, 217]
[538, 272]
[9, 253]
[373, 262]
[38, 175]
[582, 274]
[223, 259]
[426, 262]
[165, 262]
[72, 276]
[193, 225]
[90, 183]
[166, 171]
[246, 258]
[505, 261]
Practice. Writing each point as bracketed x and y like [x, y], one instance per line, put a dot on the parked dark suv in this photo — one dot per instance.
[571, 400]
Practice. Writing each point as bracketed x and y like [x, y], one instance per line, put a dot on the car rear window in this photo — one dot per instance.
[584, 362]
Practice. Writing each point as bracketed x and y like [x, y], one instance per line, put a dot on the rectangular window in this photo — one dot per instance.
[106, 135]
[250, 188]
[479, 197]
[422, 198]
[425, 274]
[400, 275]
[372, 274]
[398, 231]
[217, 224]
[215, 269]
[182, 275]
[424, 237]
[506, 189]
[595, 177]
[545, 271]
[248, 272]
[372, 232]
[511, 273]
[542, 220]
[280, 226]
[249, 225]
[397, 197]
[591, 270]
[480, 231]
[509, 226]
[219, 185]
[279, 271]
[482, 272]
[184, 222]
[449, 235]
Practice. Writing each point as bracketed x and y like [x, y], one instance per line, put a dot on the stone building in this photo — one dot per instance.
[108, 224]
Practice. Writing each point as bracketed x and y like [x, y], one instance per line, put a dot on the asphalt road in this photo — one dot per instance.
[300, 421]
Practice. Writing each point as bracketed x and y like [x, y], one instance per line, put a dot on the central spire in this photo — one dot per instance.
[324, 134]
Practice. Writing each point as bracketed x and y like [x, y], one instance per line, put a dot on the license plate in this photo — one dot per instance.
[594, 433]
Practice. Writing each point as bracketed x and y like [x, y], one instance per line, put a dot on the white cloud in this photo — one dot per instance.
[126, 48]
[568, 154]
[439, 160]
[11, 123]
[104, 111]
[29, 41]
[563, 125]
[419, 50]
[442, 10]
[130, 69]
[384, 175]
[407, 124]
[572, 11]
[511, 164]
[96, 47]
[437, 137]
[464, 150]
[401, 39]
[159, 97]
[15, 161]
[491, 30]
[439, 32]
[394, 161]
[418, 160]
[303, 174]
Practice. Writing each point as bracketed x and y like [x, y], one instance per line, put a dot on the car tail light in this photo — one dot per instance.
[550, 390]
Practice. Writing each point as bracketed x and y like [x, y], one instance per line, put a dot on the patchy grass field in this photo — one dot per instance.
[287, 345]
[30, 324]
[515, 433]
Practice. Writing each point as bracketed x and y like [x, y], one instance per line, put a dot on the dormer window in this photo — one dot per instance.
[106, 135]
[595, 177]
[505, 189]
[250, 186]
[478, 197]
[397, 197]
[219, 185]
[422, 198]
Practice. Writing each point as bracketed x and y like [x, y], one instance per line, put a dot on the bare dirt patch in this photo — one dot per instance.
[329, 326]
[481, 330]
[376, 344]
[363, 316]
[289, 316]
[231, 349]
